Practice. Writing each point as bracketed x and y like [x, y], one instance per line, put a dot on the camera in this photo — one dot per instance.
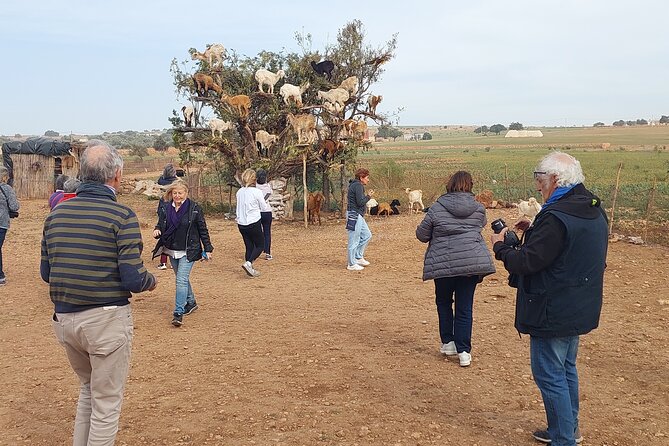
[510, 238]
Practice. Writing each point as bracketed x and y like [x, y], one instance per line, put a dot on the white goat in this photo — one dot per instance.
[529, 208]
[188, 113]
[266, 77]
[288, 91]
[219, 125]
[350, 84]
[334, 109]
[264, 140]
[371, 203]
[415, 196]
[334, 96]
[213, 52]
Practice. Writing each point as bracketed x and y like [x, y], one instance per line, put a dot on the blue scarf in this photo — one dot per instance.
[174, 217]
[558, 193]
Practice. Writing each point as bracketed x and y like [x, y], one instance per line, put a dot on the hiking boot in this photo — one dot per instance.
[543, 436]
[448, 349]
[465, 359]
[162, 266]
[362, 262]
[189, 308]
[178, 320]
[356, 267]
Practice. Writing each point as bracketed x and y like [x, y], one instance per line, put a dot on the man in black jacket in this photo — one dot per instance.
[558, 272]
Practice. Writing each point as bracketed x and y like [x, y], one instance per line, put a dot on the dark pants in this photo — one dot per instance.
[266, 222]
[458, 329]
[253, 240]
[3, 232]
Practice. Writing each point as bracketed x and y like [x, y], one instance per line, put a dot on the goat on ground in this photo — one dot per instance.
[389, 208]
[529, 208]
[314, 202]
[219, 125]
[415, 197]
[204, 83]
[266, 77]
[288, 91]
[188, 111]
[241, 103]
[213, 52]
[264, 140]
[372, 206]
[323, 68]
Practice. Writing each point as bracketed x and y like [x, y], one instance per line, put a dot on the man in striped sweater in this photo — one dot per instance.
[91, 258]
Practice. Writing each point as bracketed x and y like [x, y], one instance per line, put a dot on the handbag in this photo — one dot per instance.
[351, 220]
[12, 214]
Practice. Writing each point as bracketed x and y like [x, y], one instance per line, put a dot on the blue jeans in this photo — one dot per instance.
[182, 268]
[3, 233]
[458, 329]
[554, 368]
[358, 240]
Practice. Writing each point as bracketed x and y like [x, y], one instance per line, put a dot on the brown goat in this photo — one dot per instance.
[314, 202]
[328, 148]
[204, 83]
[384, 207]
[241, 103]
[372, 102]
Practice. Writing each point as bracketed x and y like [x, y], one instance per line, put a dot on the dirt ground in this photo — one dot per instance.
[313, 354]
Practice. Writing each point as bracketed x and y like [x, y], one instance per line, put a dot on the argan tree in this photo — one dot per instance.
[351, 56]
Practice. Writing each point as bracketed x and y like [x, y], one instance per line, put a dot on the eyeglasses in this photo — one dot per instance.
[537, 174]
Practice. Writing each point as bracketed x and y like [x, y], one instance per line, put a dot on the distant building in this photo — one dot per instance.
[524, 134]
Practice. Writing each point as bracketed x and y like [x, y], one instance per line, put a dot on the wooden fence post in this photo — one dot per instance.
[304, 188]
[649, 206]
[615, 197]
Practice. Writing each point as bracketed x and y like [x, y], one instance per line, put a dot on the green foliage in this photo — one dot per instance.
[389, 174]
[641, 122]
[619, 123]
[483, 129]
[515, 126]
[386, 131]
[427, 136]
[497, 129]
[51, 133]
[598, 124]
[664, 119]
[139, 151]
[160, 144]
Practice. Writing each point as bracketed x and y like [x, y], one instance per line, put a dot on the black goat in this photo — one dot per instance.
[394, 206]
[323, 68]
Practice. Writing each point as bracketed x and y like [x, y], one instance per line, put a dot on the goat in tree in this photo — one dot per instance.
[323, 68]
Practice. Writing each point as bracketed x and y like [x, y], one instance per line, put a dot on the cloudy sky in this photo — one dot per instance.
[88, 66]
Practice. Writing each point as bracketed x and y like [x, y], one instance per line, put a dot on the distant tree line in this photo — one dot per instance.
[498, 128]
[621, 123]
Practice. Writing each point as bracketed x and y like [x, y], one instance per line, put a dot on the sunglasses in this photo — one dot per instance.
[537, 174]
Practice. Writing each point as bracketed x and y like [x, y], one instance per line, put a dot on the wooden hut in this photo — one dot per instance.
[35, 163]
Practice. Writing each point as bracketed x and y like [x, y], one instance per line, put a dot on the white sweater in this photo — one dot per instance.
[249, 202]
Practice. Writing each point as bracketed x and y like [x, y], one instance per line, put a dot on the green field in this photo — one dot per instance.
[505, 166]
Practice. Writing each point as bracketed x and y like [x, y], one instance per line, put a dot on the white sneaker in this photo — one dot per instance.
[162, 266]
[246, 266]
[448, 349]
[362, 262]
[356, 267]
[465, 359]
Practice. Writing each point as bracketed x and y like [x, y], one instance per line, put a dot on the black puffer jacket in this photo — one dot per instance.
[197, 236]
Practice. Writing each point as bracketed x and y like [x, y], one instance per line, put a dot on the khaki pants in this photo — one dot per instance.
[98, 343]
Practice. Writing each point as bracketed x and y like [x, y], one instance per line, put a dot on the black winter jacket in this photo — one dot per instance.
[559, 269]
[197, 234]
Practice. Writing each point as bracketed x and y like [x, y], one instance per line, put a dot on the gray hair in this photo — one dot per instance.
[565, 167]
[99, 162]
[4, 174]
[169, 171]
[60, 181]
[71, 185]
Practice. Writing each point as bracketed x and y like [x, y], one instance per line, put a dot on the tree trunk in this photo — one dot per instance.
[304, 188]
[326, 188]
[344, 189]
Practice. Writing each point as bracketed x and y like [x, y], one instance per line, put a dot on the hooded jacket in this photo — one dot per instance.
[452, 227]
[559, 269]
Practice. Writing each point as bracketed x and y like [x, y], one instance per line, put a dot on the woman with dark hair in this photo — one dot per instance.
[266, 212]
[457, 258]
[168, 177]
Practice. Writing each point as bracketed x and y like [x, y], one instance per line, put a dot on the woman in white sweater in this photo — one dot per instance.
[250, 203]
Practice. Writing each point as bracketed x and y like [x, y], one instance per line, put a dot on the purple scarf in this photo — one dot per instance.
[174, 217]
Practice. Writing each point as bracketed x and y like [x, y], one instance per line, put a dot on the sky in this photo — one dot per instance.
[90, 66]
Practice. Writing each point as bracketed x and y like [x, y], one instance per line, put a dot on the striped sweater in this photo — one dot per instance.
[91, 252]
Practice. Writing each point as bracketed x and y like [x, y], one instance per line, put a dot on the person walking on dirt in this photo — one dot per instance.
[359, 234]
[266, 212]
[9, 206]
[558, 272]
[250, 203]
[91, 258]
[168, 177]
[183, 236]
[457, 258]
